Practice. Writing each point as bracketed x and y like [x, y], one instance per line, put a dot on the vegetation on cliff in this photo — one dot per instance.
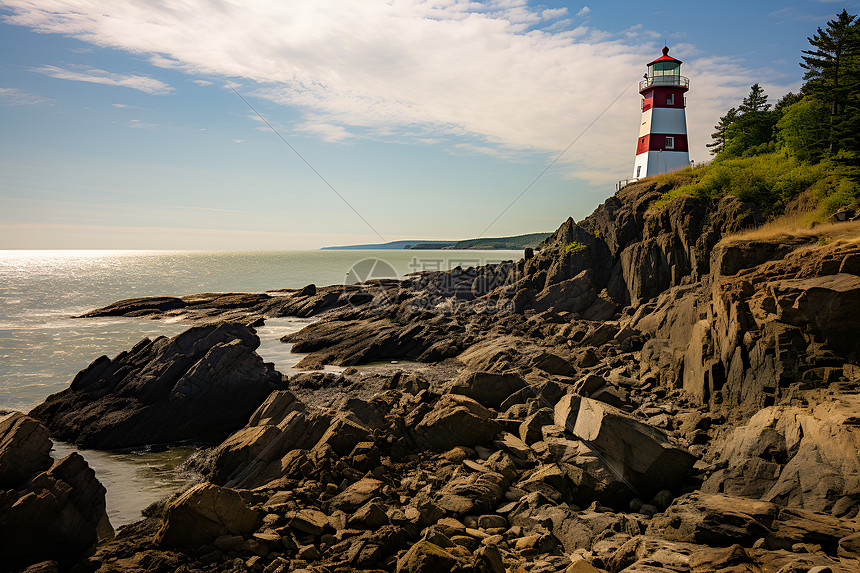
[807, 144]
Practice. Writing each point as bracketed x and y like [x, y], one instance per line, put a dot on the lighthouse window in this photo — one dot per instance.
[670, 99]
[638, 170]
[670, 143]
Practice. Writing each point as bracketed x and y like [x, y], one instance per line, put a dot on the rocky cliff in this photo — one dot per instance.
[650, 391]
[49, 510]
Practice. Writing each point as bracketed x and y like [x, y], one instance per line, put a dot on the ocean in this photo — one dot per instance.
[42, 346]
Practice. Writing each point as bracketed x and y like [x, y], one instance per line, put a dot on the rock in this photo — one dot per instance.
[456, 421]
[473, 492]
[488, 388]
[588, 385]
[642, 455]
[492, 521]
[356, 495]
[489, 558]
[204, 513]
[56, 515]
[794, 526]
[199, 385]
[792, 456]
[343, 434]
[43, 567]
[530, 429]
[310, 521]
[572, 295]
[426, 557]
[581, 566]
[579, 530]
[849, 547]
[371, 515]
[566, 411]
[25, 449]
[715, 520]
[717, 559]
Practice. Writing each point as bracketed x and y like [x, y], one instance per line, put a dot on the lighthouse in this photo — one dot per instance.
[662, 143]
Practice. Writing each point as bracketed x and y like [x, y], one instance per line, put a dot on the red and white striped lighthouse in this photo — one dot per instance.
[662, 144]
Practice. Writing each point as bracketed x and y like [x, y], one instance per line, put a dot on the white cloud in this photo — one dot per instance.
[119, 105]
[97, 76]
[239, 140]
[14, 96]
[552, 13]
[203, 83]
[499, 72]
[138, 124]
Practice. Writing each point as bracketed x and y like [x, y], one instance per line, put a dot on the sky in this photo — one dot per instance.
[227, 124]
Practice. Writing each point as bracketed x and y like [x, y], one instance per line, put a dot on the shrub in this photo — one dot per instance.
[574, 248]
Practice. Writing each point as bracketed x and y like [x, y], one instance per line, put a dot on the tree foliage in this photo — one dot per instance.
[719, 136]
[822, 121]
[755, 101]
[806, 143]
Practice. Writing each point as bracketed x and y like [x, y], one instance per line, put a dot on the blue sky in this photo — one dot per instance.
[119, 127]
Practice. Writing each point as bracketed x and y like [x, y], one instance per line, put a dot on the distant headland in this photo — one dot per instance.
[490, 243]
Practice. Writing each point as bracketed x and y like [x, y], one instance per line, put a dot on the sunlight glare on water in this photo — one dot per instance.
[42, 345]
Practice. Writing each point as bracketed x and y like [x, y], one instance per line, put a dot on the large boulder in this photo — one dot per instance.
[25, 449]
[720, 521]
[204, 513]
[488, 388]
[456, 421]
[638, 453]
[794, 456]
[199, 385]
[714, 519]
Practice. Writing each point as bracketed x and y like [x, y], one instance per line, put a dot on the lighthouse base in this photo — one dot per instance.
[657, 162]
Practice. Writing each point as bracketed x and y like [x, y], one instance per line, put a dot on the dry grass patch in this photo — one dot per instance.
[798, 226]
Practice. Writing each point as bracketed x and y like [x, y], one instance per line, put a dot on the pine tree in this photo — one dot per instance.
[755, 101]
[825, 69]
[719, 136]
[832, 71]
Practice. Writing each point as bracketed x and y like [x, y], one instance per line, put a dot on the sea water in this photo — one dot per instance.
[42, 345]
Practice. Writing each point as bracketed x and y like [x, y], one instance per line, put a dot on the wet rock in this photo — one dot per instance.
[199, 385]
[57, 514]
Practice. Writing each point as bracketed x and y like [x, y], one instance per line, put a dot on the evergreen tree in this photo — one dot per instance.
[825, 65]
[719, 136]
[832, 71]
[755, 101]
[786, 101]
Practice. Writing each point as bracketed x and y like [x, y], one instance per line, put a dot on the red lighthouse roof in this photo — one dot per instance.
[665, 57]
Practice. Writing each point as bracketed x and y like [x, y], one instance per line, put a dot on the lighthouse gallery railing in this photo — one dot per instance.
[665, 81]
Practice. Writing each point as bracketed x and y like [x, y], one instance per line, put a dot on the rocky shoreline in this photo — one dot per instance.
[648, 392]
